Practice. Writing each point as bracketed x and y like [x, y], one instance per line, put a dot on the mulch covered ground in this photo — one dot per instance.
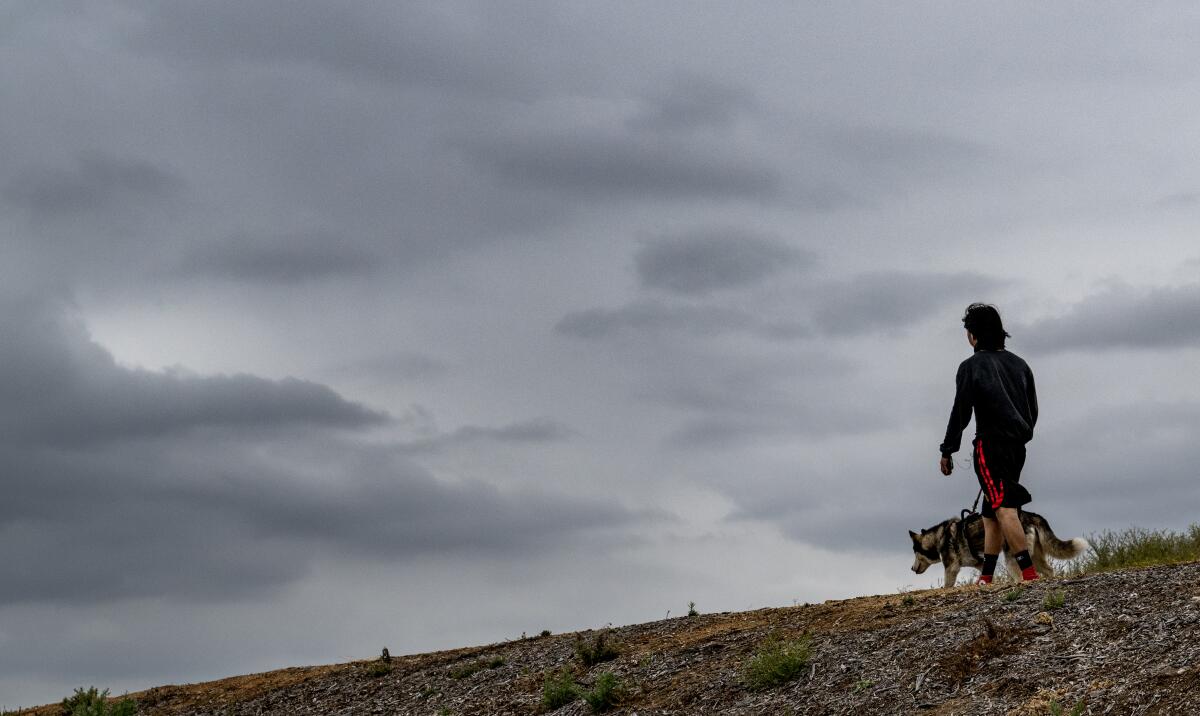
[1121, 643]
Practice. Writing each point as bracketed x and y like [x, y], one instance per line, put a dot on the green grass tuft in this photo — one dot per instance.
[1137, 547]
[559, 689]
[96, 703]
[1076, 710]
[378, 668]
[1054, 600]
[777, 662]
[1013, 594]
[604, 694]
[599, 650]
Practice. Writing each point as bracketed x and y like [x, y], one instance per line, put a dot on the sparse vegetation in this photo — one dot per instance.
[908, 600]
[1076, 710]
[559, 689]
[545, 633]
[605, 693]
[692, 610]
[1013, 594]
[777, 662]
[378, 668]
[596, 652]
[97, 703]
[471, 668]
[1137, 547]
[862, 685]
[1054, 600]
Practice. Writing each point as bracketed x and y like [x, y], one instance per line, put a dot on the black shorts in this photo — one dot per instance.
[998, 466]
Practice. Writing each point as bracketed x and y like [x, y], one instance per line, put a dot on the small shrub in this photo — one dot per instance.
[378, 668]
[596, 652]
[778, 662]
[545, 633]
[692, 610]
[559, 689]
[96, 703]
[1013, 594]
[1054, 600]
[908, 600]
[604, 694]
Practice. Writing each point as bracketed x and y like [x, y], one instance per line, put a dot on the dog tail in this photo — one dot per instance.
[1063, 549]
[1050, 543]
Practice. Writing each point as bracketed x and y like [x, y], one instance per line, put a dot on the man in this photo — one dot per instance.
[998, 386]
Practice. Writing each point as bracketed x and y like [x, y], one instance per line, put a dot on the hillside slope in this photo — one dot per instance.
[1121, 643]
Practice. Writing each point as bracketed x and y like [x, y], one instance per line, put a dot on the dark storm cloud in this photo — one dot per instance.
[540, 430]
[396, 44]
[706, 261]
[889, 301]
[71, 391]
[1121, 317]
[692, 101]
[282, 259]
[233, 517]
[108, 483]
[96, 184]
[395, 366]
[599, 165]
[655, 317]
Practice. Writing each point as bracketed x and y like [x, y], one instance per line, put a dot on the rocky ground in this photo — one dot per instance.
[1120, 643]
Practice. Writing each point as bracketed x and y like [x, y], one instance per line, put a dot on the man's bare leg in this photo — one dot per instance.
[993, 540]
[1014, 534]
[1010, 523]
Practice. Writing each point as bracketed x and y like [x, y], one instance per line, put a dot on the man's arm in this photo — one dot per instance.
[960, 414]
[1033, 405]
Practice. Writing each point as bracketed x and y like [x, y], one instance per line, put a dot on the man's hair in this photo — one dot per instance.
[983, 321]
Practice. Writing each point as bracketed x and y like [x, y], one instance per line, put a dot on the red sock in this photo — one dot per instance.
[985, 579]
[1029, 574]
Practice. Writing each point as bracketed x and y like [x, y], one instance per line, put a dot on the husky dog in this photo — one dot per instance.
[957, 544]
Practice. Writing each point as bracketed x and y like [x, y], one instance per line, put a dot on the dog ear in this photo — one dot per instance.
[915, 537]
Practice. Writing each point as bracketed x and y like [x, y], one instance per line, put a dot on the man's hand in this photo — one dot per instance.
[947, 465]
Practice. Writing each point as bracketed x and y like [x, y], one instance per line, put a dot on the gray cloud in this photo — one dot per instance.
[692, 102]
[73, 392]
[407, 44]
[539, 430]
[395, 366]
[1121, 317]
[599, 165]
[106, 482]
[889, 301]
[97, 184]
[282, 259]
[705, 261]
[654, 316]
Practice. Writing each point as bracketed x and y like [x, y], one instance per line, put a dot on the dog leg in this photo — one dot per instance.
[951, 577]
[1043, 565]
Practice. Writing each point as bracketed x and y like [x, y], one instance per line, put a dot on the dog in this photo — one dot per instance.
[957, 544]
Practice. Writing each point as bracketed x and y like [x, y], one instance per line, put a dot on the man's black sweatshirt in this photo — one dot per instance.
[998, 386]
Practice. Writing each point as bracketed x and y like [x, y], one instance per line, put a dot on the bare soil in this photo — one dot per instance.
[1122, 643]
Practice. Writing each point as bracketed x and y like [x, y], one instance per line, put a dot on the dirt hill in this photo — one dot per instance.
[1120, 643]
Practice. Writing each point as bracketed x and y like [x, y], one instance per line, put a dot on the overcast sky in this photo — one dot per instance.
[329, 326]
